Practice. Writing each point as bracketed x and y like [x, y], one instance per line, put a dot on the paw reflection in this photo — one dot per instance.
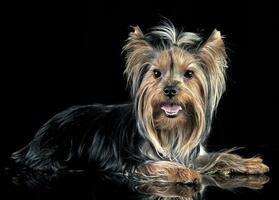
[123, 186]
[177, 190]
[170, 190]
[254, 182]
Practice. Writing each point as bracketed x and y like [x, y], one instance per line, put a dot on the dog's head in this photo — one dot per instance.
[176, 82]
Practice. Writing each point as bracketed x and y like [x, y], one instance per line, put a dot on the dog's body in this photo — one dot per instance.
[96, 135]
[176, 83]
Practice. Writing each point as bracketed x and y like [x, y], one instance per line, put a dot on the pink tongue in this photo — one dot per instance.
[171, 109]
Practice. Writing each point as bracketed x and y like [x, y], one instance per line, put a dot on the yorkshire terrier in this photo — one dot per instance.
[176, 81]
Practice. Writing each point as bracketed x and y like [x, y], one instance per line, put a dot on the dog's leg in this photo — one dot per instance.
[164, 171]
[226, 163]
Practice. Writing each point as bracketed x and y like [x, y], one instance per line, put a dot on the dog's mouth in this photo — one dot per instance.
[171, 110]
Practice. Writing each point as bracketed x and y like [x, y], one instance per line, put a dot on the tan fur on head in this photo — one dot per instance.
[173, 53]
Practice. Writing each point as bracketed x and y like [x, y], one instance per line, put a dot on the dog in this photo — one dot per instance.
[176, 80]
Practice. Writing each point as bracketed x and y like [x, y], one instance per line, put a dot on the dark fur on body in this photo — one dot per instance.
[98, 136]
[176, 83]
[84, 137]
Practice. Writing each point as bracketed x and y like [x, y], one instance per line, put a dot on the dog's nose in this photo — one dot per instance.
[170, 91]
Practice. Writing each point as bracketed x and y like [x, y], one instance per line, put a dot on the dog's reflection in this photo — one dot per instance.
[141, 189]
[193, 191]
[254, 182]
[169, 190]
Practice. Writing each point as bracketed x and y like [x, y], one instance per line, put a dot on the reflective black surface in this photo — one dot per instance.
[19, 183]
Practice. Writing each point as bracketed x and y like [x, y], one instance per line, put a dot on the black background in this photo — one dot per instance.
[59, 54]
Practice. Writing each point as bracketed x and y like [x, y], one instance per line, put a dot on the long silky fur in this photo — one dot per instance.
[120, 137]
[211, 60]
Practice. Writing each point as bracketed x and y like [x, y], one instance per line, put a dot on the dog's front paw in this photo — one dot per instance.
[255, 166]
[234, 164]
[168, 172]
[187, 176]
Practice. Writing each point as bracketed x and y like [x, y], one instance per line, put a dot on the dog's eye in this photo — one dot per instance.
[157, 73]
[189, 74]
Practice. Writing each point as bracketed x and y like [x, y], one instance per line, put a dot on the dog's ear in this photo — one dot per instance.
[213, 51]
[136, 33]
[136, 41]
[215, 41]
[138, 52]
[213, 57]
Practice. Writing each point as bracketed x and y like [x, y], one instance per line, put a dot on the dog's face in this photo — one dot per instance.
[176, 83]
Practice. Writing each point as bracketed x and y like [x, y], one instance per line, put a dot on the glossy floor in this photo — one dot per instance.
[21, 184]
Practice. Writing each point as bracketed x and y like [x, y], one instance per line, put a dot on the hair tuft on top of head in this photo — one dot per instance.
[166, 36]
